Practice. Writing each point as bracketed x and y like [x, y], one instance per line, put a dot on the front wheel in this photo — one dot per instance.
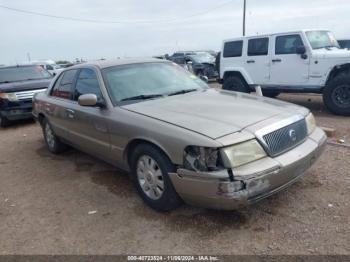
[4, 122]
[336, 95]
[150, 168]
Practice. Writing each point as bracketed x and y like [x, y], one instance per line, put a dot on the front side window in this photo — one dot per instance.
[87, 83]
[64, 85]
[321, 39]
[287, 44]
[22, 73]
[258, 46]
[233, 49]
[126, 82]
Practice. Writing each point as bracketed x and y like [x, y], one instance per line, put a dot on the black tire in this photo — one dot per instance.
[271, 94]
[336, 95]
[52, 141]
[169, 199]
[200, 73]
[4, 122]
[234, 83]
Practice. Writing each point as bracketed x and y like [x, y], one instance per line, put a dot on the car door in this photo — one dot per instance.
[88, 128]
[58, 103]
[257, 60]
[288, 67]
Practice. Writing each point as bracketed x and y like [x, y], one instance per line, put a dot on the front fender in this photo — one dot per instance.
[239, 70]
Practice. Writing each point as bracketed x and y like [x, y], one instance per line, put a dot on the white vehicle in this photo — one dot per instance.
[307, 61]
[49, 65]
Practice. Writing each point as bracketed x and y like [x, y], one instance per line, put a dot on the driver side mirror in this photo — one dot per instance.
[90, 100]
[301, 50]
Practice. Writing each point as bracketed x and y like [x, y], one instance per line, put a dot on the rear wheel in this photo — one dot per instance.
[235, 83]
[150, 168]
[4, 122]
[336, 95]
[52, 141]
[270, 93]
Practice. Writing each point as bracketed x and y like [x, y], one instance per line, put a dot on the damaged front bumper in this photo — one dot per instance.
[251, 182]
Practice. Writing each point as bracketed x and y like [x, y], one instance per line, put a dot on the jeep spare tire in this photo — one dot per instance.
[336, 95]
[234, 83]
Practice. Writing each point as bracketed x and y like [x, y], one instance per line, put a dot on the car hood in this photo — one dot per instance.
[213, 113]
[332, 53]
[25, 85]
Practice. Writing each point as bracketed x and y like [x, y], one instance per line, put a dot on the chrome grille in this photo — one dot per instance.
[285, 138]
[25, 95]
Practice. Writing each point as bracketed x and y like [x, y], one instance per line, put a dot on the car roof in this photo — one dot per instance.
[272, 34]
[110, 63]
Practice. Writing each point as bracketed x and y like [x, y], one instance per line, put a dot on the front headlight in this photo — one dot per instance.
[244, 153]
[9, 96]
[199, 158]
[310, 123]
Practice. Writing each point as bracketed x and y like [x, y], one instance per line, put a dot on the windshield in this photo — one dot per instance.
[321, 39]
[149, 79]
[203, 58]
[22, 73]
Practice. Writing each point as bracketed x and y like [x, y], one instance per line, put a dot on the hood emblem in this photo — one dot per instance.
[293, 135]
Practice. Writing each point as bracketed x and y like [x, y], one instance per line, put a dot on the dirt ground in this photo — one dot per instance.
[45, 202]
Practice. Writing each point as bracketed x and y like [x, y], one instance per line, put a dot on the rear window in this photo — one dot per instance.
[258, 46]
[64, 85]
[22, 73]
[233, 49]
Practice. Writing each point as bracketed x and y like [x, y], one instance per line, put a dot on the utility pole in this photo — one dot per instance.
[244, 9]
[28, 56]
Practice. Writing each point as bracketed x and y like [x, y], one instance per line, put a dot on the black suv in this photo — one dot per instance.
[18, 84]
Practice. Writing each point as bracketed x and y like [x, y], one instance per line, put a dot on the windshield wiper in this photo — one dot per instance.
[184, 91]
[142, 97]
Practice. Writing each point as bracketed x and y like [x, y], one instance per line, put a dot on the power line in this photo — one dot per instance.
[115, 22]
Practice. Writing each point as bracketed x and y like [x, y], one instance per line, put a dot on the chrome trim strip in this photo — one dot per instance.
[28, 94]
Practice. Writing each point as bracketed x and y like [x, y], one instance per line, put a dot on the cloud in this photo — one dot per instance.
[50, 38]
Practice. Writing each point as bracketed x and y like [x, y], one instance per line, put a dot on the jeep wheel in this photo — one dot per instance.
[149, 169]
[336, 95]
[271, 94]
[52, 141]
[4, 122]
[234, 83]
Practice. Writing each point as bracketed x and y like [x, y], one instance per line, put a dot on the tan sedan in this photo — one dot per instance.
[180, 139]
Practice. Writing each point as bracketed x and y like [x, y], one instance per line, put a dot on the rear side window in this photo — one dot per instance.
[87, 83]
[64, 85]
[258, 46]
[287, 44]
[233, 49]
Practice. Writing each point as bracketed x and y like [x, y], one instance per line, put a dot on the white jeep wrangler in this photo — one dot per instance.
[308, 61]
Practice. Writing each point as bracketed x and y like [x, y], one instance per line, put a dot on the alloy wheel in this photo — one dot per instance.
[150, 177]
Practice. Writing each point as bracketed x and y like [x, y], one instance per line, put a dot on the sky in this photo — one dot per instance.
[143, 28]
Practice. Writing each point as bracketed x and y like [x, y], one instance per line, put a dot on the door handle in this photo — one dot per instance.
[276, 60]
[250, 61]
[70, 113]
